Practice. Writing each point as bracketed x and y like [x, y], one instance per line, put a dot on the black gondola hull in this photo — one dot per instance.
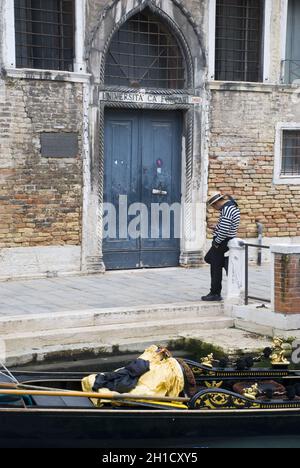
[137, 428]
[39, 426]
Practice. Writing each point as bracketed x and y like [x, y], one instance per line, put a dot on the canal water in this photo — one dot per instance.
[105, 364]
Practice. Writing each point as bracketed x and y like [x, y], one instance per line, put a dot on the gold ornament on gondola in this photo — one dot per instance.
[214, 384]
[251, 392]
[278, 355]
[208, 361]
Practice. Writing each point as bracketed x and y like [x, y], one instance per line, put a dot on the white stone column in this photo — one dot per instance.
[236, 274]
[79, 63]
[267, 40]
[212, 5]
[8, 39]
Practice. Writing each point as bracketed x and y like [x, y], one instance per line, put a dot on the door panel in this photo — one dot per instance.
[121, 178]
[161, 164]
[143, 161]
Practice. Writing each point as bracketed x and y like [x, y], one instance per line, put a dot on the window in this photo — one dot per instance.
[45, 34]
[292, 63]
[287, 154]
[290, 153]
[144, 53]
[239, 32]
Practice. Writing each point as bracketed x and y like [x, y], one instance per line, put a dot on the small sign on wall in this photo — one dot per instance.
[59, 145]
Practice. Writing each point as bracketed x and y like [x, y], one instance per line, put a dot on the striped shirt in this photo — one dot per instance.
[229, 223]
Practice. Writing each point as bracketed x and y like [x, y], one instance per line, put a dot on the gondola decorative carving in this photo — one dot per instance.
[278, 355]
[213, 384]
[221, 399]
[208, 361]
[216, 374]
[251, 392]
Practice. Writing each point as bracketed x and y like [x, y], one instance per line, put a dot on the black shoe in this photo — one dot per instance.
[212, 298]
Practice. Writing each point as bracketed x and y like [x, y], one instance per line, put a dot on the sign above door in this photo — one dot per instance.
[147, 98]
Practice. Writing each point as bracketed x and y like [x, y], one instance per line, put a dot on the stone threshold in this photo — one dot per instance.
[264, 321]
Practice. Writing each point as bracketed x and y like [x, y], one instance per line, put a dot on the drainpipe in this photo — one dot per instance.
[260, 232]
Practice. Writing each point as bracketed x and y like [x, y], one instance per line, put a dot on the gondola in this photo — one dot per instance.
[225, 401]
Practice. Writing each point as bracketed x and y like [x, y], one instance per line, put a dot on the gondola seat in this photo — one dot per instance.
[62, 402]
[277, 389]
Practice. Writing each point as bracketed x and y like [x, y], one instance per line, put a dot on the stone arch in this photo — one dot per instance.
[172, 12]
[191, 101]
[174, 31]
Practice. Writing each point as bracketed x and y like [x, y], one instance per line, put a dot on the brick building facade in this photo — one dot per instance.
[242, 156]
[233, 135]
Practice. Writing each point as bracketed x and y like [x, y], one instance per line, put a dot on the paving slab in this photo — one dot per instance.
[116, 289]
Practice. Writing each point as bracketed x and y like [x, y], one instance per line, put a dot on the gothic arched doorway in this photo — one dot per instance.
[148, 69]
[143, 146]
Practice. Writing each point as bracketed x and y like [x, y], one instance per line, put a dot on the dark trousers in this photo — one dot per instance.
[217, 261]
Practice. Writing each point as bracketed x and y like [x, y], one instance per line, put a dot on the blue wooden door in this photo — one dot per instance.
[143, 163]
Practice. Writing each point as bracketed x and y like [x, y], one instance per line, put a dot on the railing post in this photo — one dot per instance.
[260, 233]
[246, 274]
[236, 274]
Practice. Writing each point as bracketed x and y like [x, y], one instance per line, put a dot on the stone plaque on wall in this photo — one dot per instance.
[147, 98]
[59, 145]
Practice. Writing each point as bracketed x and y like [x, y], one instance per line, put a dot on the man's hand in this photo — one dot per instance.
[212, 227]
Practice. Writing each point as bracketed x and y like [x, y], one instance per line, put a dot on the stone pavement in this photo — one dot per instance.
[57, 318]
[116, 289]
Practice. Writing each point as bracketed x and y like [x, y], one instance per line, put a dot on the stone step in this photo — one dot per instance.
[23, 343]
[266, 330]
[96, 317]
[251, 327]
[233, 342]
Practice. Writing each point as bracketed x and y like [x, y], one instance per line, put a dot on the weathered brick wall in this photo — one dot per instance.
[241, 155]
[287, 284]
[40, 198]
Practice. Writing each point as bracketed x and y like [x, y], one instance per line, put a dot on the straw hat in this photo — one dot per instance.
[214, 198]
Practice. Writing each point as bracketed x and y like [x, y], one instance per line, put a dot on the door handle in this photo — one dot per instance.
[159, 192]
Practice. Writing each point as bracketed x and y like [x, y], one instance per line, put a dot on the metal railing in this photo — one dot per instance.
[247, 296]
[290, 71]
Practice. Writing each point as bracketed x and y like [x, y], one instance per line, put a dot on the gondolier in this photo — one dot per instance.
[225, 230]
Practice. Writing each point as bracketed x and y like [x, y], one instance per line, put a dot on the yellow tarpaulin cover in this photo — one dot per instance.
[165, 378]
